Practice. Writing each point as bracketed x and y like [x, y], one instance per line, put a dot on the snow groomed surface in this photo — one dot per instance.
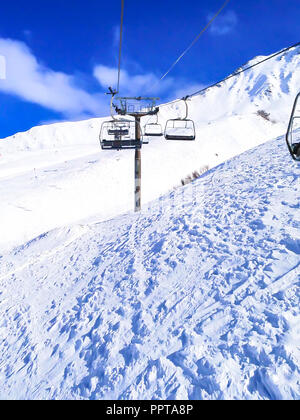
[197, 297]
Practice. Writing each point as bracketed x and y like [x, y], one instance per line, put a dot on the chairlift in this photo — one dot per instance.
[124, 133]
[294, 138]
[293, 133]
[153, 129]
[119, 134]
[181, 128]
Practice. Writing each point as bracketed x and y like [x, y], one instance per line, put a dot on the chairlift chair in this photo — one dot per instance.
[135, 106]
[293, 133]
[178, 129]
[118, 135]
[181, 128]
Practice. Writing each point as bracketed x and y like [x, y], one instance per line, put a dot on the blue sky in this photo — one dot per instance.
[60, 56]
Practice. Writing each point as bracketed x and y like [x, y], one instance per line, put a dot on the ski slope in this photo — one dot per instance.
[47, 189]
[196, 297]
[57, 174]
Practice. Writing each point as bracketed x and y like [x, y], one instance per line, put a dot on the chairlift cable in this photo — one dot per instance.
[120, 44]
[247, 68]
[232, 75]
[196, 39]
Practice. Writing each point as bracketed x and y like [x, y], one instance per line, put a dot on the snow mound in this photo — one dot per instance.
[196, 297]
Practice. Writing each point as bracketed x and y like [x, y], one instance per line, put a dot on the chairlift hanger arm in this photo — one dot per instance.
[184, 99]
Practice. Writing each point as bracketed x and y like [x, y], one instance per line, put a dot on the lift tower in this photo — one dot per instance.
[117, 134]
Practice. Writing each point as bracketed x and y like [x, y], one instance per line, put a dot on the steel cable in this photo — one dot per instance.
[196, 39]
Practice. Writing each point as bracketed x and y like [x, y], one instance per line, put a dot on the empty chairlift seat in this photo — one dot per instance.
[181, 128]
[178, 129]
[153, 130]
[117, 135]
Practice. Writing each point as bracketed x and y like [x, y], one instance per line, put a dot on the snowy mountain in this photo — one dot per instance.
[56, 174]
[197, 296]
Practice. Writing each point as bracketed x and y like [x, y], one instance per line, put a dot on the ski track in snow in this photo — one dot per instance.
[197, 297]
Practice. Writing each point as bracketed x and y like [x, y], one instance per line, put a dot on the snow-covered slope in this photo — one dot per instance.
[56, 174]
[196, 297]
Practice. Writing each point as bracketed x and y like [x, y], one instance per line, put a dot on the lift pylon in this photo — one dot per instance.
[121, 133]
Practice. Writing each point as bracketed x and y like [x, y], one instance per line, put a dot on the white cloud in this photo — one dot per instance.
[33, 82]
[2, 68]
[224, 24]
[30, 80]
[145, 84]
[135, 85]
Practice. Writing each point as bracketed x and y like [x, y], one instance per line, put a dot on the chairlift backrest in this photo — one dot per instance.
[293, 133]
[178, 129]
[118, 132]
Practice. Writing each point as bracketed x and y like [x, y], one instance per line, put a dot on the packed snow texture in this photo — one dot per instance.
[196, 297]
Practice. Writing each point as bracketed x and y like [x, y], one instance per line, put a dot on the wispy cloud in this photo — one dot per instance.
[32, 81]
[27, 34]
[224, 24]
[144, 84]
